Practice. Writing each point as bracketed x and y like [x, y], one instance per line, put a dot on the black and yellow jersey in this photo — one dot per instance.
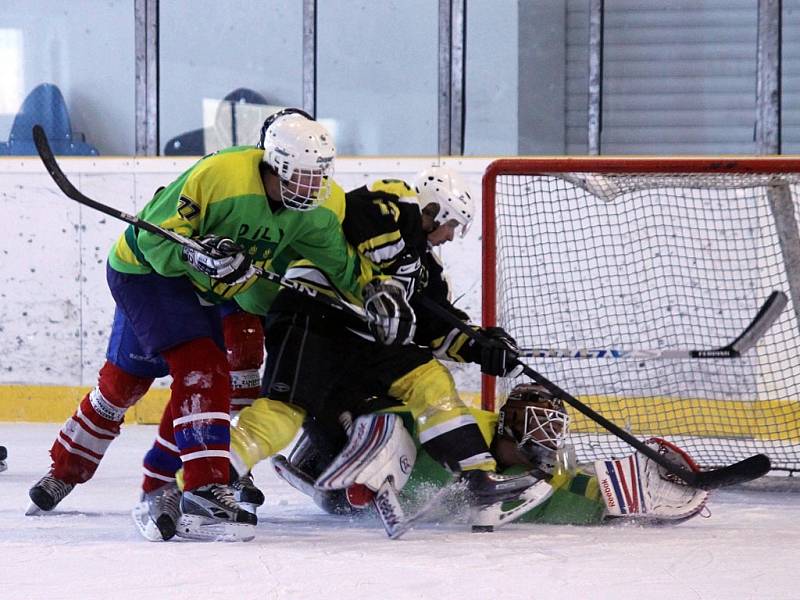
[383, 223]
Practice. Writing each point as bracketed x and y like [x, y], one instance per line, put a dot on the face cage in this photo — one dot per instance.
[545, 427]
[302, 193]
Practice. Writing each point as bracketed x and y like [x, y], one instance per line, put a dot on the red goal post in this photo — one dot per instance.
[712, 244]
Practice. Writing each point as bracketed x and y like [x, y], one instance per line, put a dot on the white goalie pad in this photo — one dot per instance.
[636, 486]
[379, 448]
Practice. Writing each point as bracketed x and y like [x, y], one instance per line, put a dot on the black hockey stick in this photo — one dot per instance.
[49, 160]
[750, 468]
[765, 317]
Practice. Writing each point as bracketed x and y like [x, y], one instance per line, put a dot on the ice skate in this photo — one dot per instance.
[499, 499]
[3, 457]
[47, 493]
[245, 492]
[156, 516]
[488, 487]
[211, 513]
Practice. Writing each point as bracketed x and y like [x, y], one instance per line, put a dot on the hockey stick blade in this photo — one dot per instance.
[743, 471]
[746, 470]
[766, 316]
[64, 184]
[761, 323]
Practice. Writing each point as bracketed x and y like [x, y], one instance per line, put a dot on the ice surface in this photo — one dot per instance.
[89, 548]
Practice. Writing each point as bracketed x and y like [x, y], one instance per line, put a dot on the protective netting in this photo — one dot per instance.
[676, 261]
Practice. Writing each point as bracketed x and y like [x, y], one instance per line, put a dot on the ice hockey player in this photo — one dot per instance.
[307, 367]
[3, 457]
[247, 207]
[529, 434]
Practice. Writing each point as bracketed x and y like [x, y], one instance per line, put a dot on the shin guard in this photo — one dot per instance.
[200, 404]
[445, 426]
[163, 460]
[244, 343]
[86, 435]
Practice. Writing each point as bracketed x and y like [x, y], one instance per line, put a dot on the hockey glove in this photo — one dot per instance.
[221, 259]
[498, 353]
[389, 315]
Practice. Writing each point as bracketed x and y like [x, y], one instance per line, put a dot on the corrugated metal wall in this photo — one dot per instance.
[679, 76]
[790, 122]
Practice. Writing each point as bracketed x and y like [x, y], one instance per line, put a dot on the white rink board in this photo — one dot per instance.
[55, 308]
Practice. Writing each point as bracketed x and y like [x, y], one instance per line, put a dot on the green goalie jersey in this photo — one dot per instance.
[576, 498]
[223, 194]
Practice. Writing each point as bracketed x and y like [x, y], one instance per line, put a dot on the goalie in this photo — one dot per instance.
[529, 434]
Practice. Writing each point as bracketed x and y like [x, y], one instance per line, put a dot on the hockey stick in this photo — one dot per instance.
[750, 468]
[765, 317]
[64, 184]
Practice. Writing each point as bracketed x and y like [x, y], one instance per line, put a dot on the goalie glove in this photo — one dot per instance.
[389, 315]
[636, 486]
[221, 259]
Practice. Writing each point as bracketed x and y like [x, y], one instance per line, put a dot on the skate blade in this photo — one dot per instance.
[146, 526]
[3, 466]
[196, 527]
[249, 507]
[34, 510]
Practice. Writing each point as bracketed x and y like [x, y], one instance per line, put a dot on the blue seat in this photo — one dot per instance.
[45, 106]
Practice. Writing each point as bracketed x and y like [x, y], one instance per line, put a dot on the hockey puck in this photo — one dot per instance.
[482, 528]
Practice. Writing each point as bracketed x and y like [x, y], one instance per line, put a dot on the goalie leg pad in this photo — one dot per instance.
[379, 448]
[636, 486]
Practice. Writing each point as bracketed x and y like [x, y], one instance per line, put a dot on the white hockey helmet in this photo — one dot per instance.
[300, 152]
[446, 189]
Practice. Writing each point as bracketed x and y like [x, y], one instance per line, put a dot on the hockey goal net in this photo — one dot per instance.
[610, 270]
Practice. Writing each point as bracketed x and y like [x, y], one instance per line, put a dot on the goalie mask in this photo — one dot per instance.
[532, 427]
[446, 190]
[300, 152]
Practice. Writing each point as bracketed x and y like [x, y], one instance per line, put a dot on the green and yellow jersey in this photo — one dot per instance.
[224, 194]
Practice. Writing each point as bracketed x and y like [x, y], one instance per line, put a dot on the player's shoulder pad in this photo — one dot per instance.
[229, 173]
[335, 202]
[395, 187]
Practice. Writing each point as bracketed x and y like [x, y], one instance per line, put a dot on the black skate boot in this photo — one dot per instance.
[499, 499]
[488, 487]
[211, 513]
[3, 457]
[47, 493]
[156, 516]
[245, 491]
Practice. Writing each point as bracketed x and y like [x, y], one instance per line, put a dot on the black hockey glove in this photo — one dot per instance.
[498, 353]
[221, 259]
[389, 315]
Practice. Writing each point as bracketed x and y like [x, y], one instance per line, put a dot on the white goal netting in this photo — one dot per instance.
[588, 261]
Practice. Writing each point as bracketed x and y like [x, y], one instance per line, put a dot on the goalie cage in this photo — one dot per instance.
[647, 253]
